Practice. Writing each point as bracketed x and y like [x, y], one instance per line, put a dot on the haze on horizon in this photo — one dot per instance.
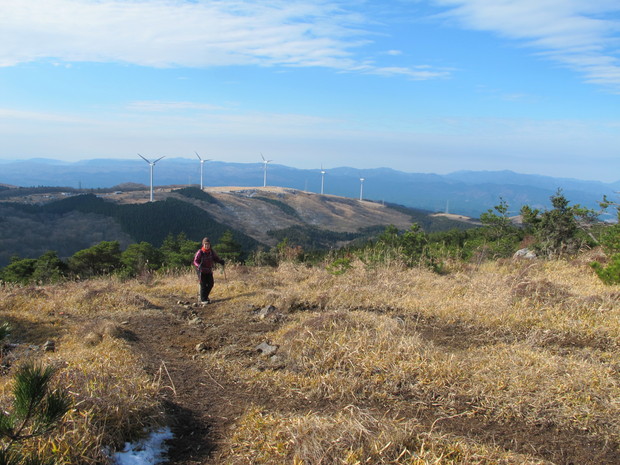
[431, 86]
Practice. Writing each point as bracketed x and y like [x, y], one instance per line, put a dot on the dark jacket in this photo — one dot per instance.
[203, 261]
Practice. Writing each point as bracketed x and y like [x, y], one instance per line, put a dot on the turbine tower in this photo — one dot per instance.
[322, 179]
[362, 188]
[202, 162]
[152, 164]
[265, 162]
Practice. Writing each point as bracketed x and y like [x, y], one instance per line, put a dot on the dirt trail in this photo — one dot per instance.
[204, 405]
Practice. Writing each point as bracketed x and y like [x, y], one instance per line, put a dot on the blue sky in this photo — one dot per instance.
[435, 86]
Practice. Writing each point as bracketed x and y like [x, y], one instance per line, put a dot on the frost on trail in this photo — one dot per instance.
[148, 451]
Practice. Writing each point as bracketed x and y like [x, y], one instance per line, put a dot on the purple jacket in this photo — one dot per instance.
[203, 261]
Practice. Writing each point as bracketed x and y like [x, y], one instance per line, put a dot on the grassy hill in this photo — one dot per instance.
[510, 362]
[35, 220]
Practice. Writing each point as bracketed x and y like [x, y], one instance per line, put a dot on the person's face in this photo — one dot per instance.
[207, 245]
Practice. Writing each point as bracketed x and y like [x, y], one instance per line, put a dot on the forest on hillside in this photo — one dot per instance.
[80, 221]
[68, 220]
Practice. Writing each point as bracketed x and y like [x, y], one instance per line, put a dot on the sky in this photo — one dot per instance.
[429, 86]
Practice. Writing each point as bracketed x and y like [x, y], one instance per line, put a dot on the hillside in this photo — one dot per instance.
[70, 221]
[469, 193]
[514, 363]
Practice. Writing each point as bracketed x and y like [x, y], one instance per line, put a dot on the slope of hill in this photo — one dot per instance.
[255, 216]
[467, 192]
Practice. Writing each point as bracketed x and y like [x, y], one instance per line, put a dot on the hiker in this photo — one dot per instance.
[204, 261]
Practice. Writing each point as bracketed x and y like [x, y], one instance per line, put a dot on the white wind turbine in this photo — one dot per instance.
[202, 162]
[152, 164]
[265, 162]
[362, 188]
[322, 179]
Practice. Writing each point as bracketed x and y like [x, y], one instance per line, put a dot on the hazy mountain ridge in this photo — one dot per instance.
[464, 192]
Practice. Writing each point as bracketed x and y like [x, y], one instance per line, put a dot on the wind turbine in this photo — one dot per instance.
[322, 178]
[265, 162]
[202, 162]
[152, 164]
[362, 188]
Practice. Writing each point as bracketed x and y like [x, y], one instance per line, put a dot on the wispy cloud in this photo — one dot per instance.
[200, 33]
[579, 34]
[159, 106]
[12, 115]
[417, 73]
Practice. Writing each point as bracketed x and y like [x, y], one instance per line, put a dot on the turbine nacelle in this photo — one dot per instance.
[151, 162]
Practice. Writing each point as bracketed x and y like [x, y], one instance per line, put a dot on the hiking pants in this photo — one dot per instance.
[206, 284]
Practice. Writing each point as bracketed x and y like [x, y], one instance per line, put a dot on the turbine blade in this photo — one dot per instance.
[159, 159]
[144, 158]
[198, 156]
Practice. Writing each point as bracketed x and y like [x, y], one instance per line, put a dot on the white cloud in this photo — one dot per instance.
[11, 115]
[159, 106]
[580, 34]
[166, 33]
[417, 73]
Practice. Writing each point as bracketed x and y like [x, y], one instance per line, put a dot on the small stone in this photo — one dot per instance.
[266, 311]
[267, 349]
[49, 346]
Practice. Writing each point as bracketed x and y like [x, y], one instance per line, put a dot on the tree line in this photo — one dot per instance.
[107, 257]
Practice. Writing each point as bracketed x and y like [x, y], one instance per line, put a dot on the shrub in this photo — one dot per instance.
[609, 274]
[99, 259]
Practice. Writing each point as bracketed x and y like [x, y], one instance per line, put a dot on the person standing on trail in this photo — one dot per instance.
[204, 260]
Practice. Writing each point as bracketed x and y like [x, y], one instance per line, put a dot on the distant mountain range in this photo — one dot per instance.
[464, 192]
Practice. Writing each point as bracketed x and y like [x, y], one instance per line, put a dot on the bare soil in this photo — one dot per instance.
[203, 406]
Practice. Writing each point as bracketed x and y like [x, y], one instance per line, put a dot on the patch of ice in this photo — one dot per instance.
[148, 451]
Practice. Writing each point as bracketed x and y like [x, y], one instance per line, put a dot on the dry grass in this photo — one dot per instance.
[113, 398]
[353, 436]
[379, 366]
[533, 344]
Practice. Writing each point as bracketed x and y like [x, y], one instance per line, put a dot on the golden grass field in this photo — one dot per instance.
[508, 362]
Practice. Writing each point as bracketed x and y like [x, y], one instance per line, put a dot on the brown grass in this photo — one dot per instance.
[381, 366]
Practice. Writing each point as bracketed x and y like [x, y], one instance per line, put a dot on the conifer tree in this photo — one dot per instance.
[36, 411]
[227, 248]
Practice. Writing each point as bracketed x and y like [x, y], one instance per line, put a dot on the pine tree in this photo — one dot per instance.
[36, 411]
[228, 249]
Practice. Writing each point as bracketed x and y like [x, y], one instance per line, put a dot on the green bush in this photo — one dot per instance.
[99, 259]
[141, 257]
[339, 266]
[609, 274]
